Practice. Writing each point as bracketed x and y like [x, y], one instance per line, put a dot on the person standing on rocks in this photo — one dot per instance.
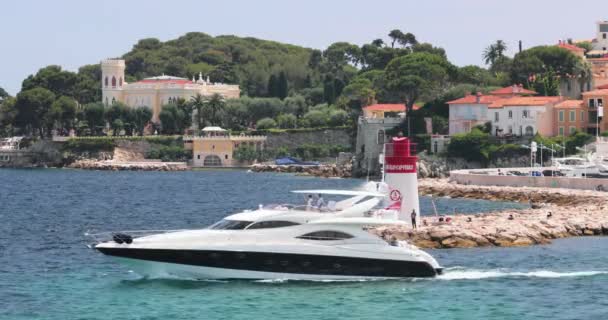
[413, 218]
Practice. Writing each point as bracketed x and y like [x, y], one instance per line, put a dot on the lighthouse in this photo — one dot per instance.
[400, 175]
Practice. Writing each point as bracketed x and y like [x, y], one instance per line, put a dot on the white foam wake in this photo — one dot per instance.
[472, 274]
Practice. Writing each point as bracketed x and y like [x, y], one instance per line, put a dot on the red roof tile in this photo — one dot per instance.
[471, 99]
[598, 92]
[524, 101]
[570, 47]
[570, 104]
[513, 90]
[396, 107]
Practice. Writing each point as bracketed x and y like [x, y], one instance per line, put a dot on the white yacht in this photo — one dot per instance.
[290, 242]
[280, 242]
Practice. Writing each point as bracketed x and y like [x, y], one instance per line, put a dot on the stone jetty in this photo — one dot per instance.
[322, 170]
[128, 165]
[554, 213]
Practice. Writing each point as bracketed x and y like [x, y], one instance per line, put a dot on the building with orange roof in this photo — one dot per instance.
[469, 111]
[523, 116]
[593, 100]
[570, 116]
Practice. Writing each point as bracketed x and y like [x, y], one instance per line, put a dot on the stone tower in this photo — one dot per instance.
[112, 80]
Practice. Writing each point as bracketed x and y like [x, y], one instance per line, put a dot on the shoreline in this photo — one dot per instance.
[572, 213]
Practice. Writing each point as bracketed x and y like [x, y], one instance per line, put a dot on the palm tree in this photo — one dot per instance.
[213, 105]
[500, 47]
[489, 54]
[198, 103]
[494, 51]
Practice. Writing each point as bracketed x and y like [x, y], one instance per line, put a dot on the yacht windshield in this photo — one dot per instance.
[230, 225]
[272, 224]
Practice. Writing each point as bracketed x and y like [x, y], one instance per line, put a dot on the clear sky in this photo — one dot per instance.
[72, 33]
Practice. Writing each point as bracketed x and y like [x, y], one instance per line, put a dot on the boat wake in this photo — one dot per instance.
[458, 273]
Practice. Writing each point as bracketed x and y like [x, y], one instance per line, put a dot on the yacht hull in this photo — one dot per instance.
[218, 264]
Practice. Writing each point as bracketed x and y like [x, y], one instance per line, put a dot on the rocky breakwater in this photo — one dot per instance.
[128, 166]
[322, 170]
[556, 213]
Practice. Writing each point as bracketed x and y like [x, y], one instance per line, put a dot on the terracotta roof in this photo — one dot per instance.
[471, 99]
[513, 90]
[570, 104]
[598, 92]
[570, 47]
[396, 107]
[524, 101]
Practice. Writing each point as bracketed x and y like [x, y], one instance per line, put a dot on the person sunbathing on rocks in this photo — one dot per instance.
[511, 217]
[549, 215]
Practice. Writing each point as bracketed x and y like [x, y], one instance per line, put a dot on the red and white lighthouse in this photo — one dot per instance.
[400, 175]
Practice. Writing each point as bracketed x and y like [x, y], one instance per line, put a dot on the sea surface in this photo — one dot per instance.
[47, 272]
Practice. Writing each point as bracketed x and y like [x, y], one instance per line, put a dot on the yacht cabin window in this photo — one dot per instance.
[230, 225]
[272, 224]
[325, 235]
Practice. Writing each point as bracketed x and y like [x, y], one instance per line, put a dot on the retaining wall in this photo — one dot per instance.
[488, 177]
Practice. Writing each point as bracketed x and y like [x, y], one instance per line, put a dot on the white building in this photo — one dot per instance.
[155, 92]
[523, 116]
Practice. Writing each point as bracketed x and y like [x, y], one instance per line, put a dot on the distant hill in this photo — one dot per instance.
[247, 61]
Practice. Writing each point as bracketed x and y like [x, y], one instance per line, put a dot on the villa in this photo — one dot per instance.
[157, 91]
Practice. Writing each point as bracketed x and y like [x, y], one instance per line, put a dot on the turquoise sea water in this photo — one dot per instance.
[46, 271]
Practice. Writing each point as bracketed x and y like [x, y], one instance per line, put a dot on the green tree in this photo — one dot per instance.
[417, 76]
[395, 35]
[282, 86]
[316, 118]
[172, 119]
[142, 117]
[546, 61]
[33, 106]
[197, 103]
[286, 121]
[213, 106]
[8, 114]
[266, 123]
[494, 52]
[272, 88]
[94, 115]
[245, 153]
[64, 110]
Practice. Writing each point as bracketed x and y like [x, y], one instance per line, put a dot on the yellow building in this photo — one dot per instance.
[155, 92]
[216, 147]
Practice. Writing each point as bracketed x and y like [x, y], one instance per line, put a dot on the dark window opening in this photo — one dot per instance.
[326, 235]
[272, 224]
[230, 225]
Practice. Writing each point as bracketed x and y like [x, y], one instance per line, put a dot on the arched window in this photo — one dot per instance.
[113, 82]
[120, 82]
[212, 161]
[381, 136]
[106, 81]
[529, 131]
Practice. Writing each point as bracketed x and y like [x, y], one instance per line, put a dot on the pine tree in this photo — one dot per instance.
[272, 86]
[282, 86]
